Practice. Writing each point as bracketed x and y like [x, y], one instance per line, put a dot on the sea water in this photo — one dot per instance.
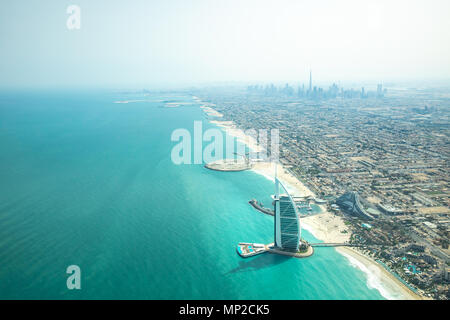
[85, 181]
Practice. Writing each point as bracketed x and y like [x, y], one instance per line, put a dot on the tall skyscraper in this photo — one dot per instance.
[379, 90]
[310, 80]
[287, 222]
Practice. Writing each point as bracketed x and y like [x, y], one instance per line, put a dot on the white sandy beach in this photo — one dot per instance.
[326, 226]
[294, 186]
[330, 228]
[211, 112]
[378, 277]
[231, 130]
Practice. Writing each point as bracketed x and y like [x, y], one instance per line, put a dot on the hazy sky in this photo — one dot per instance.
[170, 42]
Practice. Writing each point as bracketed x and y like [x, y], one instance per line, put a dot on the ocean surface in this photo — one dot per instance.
[89, 182]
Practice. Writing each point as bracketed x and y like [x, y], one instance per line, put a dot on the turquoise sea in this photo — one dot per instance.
[90, 182]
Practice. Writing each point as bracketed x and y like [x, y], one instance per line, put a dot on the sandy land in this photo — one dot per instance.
[176, 104]
[326, 226]
[434, 210]
[294, 186]
[211, 112]
[231, 130]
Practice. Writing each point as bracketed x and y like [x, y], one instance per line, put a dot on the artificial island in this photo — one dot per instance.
[287, 230]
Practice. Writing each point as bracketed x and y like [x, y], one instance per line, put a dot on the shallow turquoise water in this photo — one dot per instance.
[89, 182]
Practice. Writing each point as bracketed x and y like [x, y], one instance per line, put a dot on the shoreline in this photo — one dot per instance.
[325, 226]
[230, 128]
[379, 278]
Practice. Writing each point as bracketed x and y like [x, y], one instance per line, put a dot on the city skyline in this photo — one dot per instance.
[316, 92]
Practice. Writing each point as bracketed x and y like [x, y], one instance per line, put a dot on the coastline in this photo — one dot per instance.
[294, 186]
[230, 128]
[379, 278]
[324, 226]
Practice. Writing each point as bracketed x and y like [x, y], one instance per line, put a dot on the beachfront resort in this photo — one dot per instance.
[406, 247]
[287, 230]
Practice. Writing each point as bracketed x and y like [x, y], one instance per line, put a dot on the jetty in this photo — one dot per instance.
[258, 206]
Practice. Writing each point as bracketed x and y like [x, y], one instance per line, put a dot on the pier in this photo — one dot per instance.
[343, 244]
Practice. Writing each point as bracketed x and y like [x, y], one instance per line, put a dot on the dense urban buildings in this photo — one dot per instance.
[379, 156]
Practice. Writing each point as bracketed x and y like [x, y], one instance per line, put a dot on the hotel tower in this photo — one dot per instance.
[287, 222]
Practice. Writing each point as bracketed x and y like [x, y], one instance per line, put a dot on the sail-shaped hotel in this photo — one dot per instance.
[287, 222]
[287, 229]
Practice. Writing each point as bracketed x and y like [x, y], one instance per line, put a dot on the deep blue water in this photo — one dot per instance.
[89, 182]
